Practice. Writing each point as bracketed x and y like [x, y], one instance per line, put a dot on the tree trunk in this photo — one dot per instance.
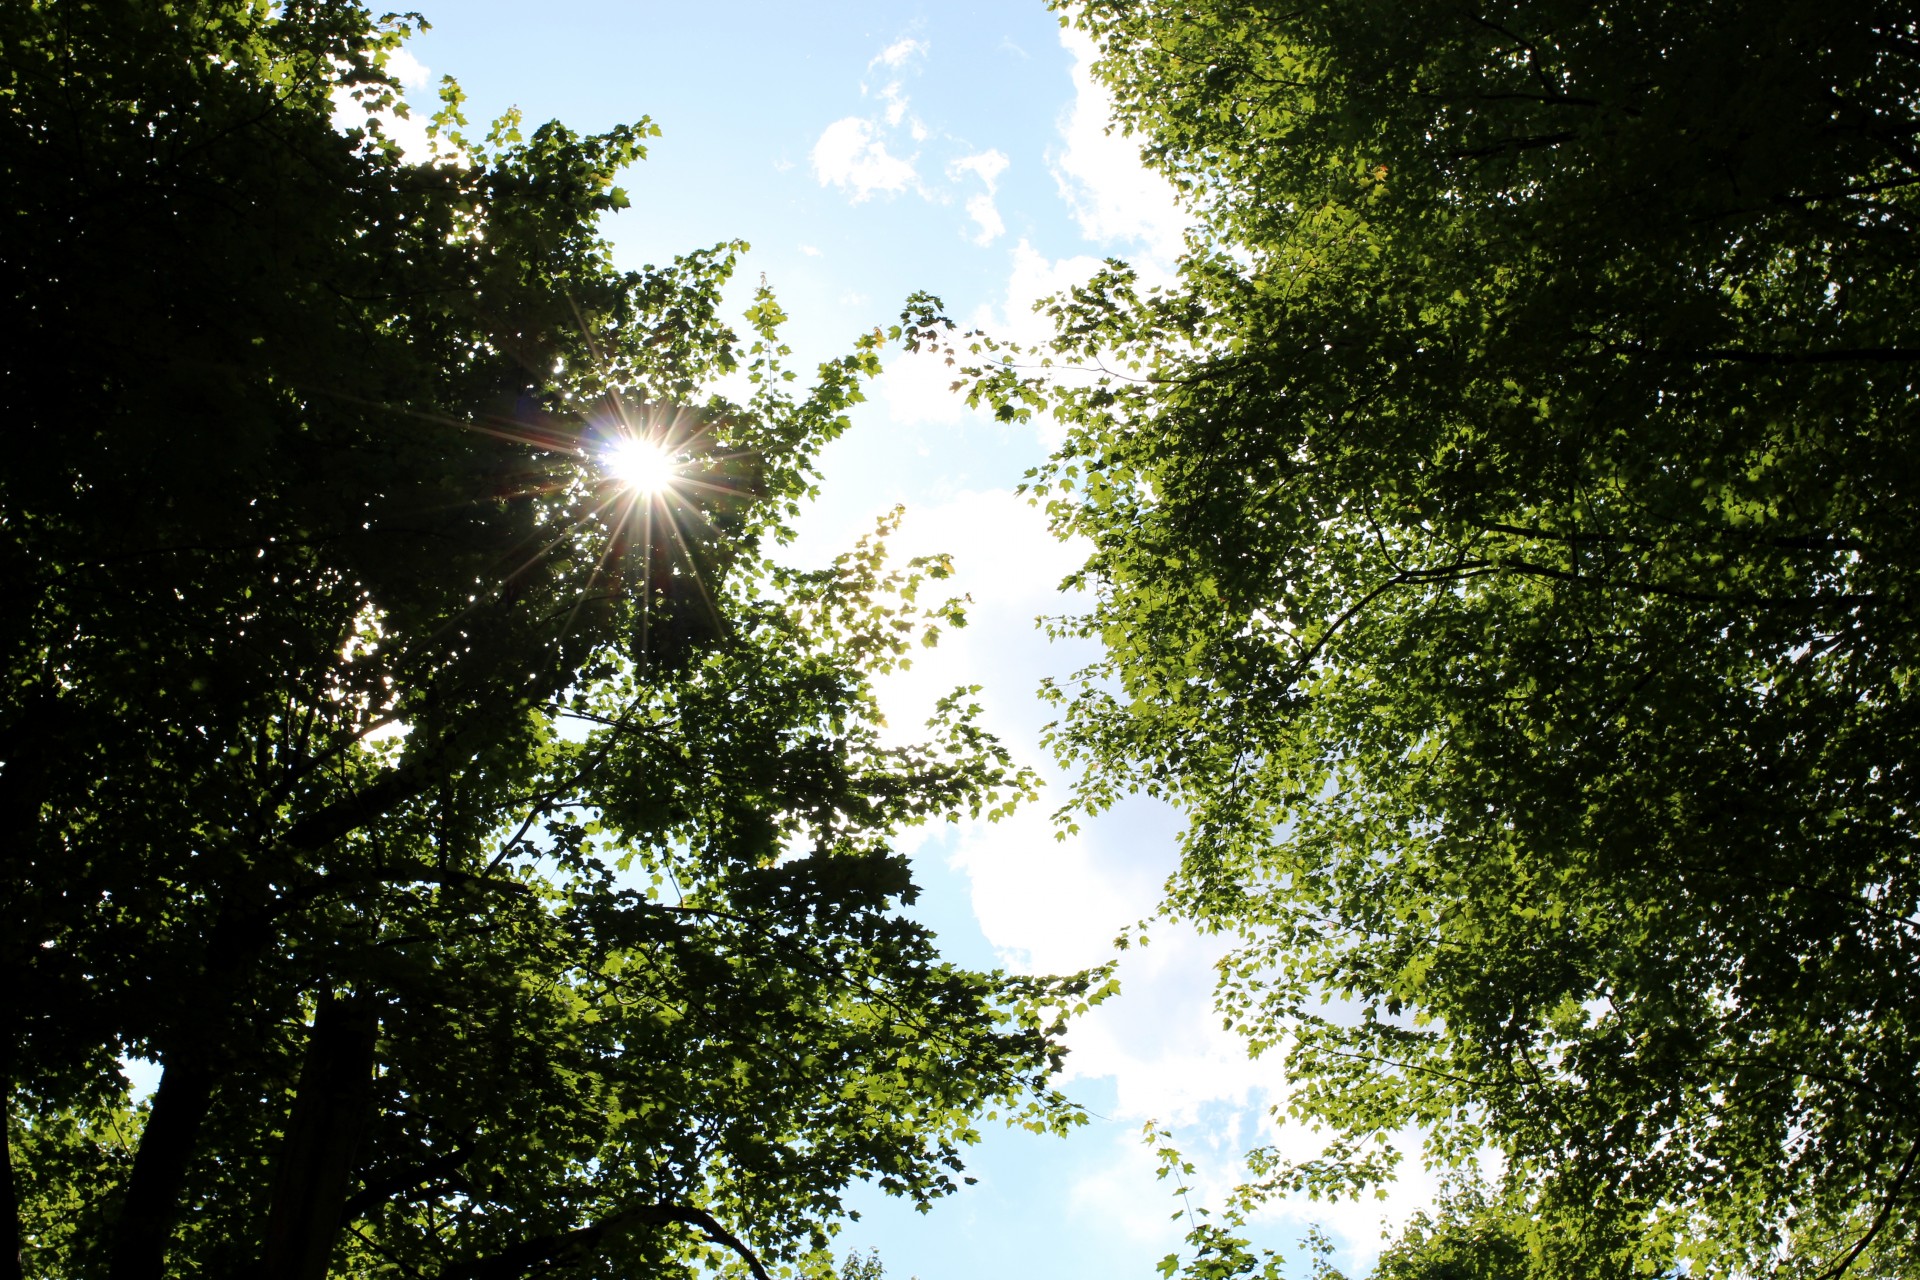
[197, 1055]
[330, 1111]
[23, 761]
[167, 1147]
[10, 1243]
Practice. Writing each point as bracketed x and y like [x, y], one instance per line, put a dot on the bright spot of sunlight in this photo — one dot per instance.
[641, 465]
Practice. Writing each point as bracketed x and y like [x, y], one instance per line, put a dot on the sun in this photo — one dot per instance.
[641, 465]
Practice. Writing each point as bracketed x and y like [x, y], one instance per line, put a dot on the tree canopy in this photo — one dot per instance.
[491, 852]
[1499, 553]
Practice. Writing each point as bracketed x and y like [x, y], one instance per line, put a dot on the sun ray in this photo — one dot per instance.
[689, 482]
[638, 463]
[567, 530]
[693, 569]
[550, 440]
[606, 554]
[646, 593]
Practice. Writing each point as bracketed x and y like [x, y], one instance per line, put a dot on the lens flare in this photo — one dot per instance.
[641, 465]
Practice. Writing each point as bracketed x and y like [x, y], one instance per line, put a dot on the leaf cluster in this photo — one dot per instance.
[495, 862]
[1499, 551]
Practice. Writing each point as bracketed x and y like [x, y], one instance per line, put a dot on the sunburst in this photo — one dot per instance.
[644, 466]
[642, 476]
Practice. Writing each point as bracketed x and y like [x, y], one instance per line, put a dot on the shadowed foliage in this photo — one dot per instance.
[493, 859]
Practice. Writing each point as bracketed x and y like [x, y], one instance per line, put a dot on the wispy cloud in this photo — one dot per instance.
[850, 155]
[896, 100]
[1114, 197]
[866, 155]
[897, 53]
[987, 166]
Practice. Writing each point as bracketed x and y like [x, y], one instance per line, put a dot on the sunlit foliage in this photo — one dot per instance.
[1504, 549]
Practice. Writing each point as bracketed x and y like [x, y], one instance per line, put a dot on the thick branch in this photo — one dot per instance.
[167, 1146]
[517, 1261]
[1887, 1204]
[330, 1113]
[387, 1185]
[350, 813]
[1743, 355]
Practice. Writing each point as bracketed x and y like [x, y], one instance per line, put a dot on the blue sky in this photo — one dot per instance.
[867, 151]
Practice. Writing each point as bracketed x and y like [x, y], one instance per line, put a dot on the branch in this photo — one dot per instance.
[1804, 542]
[1517, 565]
[1459, 570]
[406, 1182]
[1741, 355]
[343, 881]
[1841, 1267]
[517, 1260]
[1517, 144]
[349, 813]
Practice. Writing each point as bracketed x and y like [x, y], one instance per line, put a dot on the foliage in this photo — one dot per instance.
[495, 859]
[1500, 553]
[1471, 1237]
[859, 1267]
[1216, 1249]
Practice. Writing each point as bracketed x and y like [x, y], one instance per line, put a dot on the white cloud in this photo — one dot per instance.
[896, 100]
[409, 131]
[810, 250]
[1049, 905]
[853, 152]
[917, 389]
[849, 155]
[917, 386]
[1114, 197]
[986, 217]
[1032, 276]
[897, 53]
[987, 166]
[407, 69]
[1160, 1041]
[1124, 1196]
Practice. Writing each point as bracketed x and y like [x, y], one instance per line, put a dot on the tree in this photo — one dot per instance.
[1503, 547]
[492, 852]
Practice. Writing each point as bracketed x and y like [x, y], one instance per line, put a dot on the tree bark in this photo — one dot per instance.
[11, 1267]
[330, 1111]
[167, 1147]
[195, 1058]
[23, 762]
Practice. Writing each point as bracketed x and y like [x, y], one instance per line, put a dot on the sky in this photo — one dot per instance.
[867, 151]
